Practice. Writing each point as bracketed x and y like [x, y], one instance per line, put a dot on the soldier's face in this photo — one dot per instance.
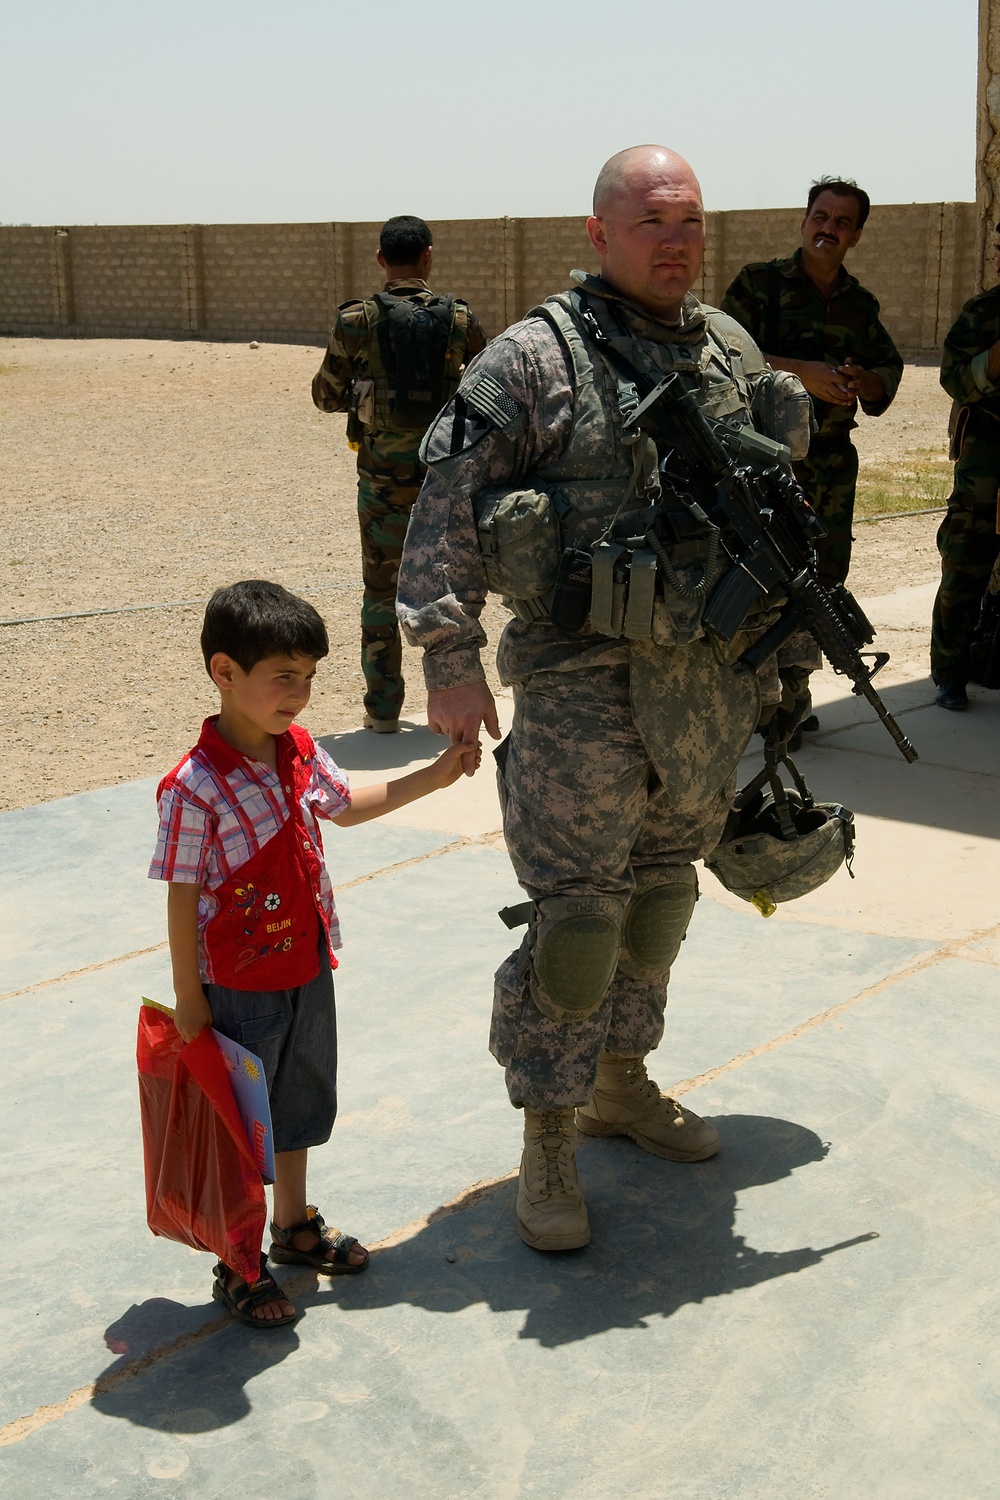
[830, 229]
[651, 239]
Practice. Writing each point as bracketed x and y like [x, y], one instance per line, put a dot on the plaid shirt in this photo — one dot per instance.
[218, 808]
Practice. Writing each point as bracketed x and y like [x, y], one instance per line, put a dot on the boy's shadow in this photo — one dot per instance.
[184, 1369]
[663, 1237]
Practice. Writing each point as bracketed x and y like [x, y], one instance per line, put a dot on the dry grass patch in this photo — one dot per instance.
[917, 481]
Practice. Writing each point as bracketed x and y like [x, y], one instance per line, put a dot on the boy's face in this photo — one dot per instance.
[269, 696]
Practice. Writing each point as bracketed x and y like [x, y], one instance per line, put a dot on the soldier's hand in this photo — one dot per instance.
[826, 382]
[864, 384]
[458, 712]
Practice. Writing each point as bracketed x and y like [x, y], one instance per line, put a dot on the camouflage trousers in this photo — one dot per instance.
[968, 543]
[385, 498]
[587, 814]
[829, 476]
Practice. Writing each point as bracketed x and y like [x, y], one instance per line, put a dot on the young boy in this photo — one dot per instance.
[250, 912]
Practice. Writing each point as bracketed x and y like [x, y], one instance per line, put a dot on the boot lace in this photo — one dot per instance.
[647, 1090]
[553, 1137]
[641, 1081]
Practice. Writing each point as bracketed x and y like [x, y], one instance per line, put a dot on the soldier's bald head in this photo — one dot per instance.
[636, 169]
[648, 228]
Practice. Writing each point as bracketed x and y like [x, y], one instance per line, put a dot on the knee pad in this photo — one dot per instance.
[656, 920]
[574, 953]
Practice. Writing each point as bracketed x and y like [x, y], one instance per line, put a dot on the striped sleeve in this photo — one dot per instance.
[329, 791]
[184, 839]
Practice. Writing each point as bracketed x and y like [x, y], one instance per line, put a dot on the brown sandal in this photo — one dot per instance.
[252, 1295]
[286, 1254]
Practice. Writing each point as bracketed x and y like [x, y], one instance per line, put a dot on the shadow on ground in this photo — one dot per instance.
[664, 1237]
[363, 750]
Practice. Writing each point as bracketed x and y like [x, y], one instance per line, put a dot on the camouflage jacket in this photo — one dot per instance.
[442, 580]
[781, 308]
[346, 360]
[964, 360]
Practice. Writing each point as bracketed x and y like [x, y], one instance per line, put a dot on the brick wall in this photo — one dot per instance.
[282, 282]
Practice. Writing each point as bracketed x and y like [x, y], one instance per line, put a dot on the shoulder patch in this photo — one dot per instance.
[458, 428]
[488, 398]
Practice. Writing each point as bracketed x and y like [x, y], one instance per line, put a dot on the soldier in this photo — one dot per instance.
[620, 765]
[811, 317]
[967, 537]
[392, 363]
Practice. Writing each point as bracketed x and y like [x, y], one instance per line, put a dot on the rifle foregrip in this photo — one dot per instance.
[841, 651]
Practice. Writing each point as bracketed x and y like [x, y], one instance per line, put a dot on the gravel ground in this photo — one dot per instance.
[138, 472]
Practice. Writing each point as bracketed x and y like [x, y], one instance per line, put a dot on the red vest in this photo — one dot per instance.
[269, 924]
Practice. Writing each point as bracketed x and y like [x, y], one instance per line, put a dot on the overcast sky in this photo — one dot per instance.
[126, 111]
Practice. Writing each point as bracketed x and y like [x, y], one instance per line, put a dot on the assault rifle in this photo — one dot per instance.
[767, 530]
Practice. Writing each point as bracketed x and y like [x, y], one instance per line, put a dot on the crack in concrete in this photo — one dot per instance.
[459, 841]
[105, 963]
[916, 966]
[299, 1282]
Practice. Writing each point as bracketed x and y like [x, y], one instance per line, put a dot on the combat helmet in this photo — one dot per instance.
[779, 843]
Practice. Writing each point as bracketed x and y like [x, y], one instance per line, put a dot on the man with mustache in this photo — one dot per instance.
[811, 317]
[629, 722]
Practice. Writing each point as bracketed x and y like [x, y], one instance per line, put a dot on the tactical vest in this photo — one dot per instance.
[415, 354]
[599, 479]
[595, 469]
[694, 714]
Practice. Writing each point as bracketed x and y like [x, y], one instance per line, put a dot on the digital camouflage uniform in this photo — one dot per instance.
[619, 769]
[786, 314]
[967, 537]
[389, 477]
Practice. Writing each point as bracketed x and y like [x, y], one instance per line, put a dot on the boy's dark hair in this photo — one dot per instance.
[844, 187]
[254, 619]
[403, 240]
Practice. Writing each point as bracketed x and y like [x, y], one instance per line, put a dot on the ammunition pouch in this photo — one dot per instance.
[781, 408]
[519, 540]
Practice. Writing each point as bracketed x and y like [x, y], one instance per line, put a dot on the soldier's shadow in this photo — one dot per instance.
[663, 1236]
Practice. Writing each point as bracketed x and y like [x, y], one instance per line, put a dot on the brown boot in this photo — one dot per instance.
[626, 1101]
[551, 1214]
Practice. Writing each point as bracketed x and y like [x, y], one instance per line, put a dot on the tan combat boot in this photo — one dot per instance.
[626, 1101]
[551, 1214]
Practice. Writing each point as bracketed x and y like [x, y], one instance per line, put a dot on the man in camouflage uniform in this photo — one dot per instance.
[811, 317]
[967, 537]
[620, 765]
[353, 378]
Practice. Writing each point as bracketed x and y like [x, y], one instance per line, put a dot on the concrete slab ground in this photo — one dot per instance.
[813, 1313]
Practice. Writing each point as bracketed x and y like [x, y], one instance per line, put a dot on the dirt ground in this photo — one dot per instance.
[137, 473]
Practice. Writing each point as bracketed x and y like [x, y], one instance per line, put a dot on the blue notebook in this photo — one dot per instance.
[246, 1075]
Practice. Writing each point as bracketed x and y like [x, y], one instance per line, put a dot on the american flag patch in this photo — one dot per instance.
[489, 398]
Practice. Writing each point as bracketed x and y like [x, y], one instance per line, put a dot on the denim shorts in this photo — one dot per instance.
[294, 1033]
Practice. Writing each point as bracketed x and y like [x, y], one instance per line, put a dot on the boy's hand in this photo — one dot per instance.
[192, 1013]
[452, 763]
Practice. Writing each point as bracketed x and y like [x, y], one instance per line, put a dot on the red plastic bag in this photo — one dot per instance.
[203, 1185]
